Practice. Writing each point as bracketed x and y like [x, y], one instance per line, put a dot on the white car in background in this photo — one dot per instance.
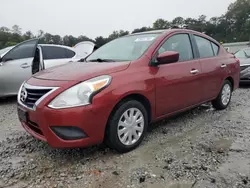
[18, 63]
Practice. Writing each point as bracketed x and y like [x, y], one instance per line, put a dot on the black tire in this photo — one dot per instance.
[217, 103]
[112, 138]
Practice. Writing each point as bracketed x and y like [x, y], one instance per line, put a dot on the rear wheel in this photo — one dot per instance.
[223, 99]
[127, 126]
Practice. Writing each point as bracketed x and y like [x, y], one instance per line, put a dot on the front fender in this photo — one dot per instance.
[144, 89]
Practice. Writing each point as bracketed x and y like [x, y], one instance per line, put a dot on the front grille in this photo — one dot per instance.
[244, 67]
[33, 95]
[30, 95]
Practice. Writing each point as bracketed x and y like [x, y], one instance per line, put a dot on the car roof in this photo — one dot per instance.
[152, 32]
[56, 45]
[161, 31]
[167, 31]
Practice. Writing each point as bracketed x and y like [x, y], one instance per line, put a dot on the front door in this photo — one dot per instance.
[178, 85]
[16, 67]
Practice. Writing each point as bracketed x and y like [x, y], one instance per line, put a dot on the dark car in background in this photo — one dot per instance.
[244, 56]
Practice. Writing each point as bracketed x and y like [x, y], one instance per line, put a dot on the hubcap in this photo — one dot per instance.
[130, 126]
[226, 94]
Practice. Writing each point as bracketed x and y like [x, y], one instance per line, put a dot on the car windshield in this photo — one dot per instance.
[126, 48]
[248, 52]
[243, 53]
[2, 51]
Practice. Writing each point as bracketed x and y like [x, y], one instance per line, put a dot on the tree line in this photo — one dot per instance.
[233, 26]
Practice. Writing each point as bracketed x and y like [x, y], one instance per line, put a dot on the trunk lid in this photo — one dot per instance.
[83, 49]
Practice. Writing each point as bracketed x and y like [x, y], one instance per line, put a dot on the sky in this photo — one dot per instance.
[100, 17]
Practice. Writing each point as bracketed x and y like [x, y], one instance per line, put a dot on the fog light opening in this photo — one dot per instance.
[68, 132]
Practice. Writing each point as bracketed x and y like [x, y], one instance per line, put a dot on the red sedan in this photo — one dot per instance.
[123, 86]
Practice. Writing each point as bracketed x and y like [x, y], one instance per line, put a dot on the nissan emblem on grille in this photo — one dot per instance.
[23, 94]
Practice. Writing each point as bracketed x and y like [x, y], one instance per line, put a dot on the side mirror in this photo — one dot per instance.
[167, 57]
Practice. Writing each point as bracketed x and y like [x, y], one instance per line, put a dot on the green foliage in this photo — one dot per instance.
[233, 26]
[142, 29]
[11, 43]
[161, 24]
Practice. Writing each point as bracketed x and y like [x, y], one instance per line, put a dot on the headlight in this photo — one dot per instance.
[80, 94]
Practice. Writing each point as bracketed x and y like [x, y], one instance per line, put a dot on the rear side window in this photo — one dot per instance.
[179, 43]
[54, 52]
[204, 47]
[215, 48]
[70, 53]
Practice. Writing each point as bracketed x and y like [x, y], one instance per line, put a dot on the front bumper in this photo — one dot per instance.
[87, 123]
[91, 122]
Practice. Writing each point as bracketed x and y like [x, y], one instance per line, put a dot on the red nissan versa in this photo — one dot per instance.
[123, 86]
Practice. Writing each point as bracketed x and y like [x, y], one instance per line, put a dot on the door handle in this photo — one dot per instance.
[223, 66]
[194, 71]
[25, 65]
[1, 64]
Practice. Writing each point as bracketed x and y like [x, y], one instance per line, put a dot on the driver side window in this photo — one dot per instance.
[20, 52]
[179, 43]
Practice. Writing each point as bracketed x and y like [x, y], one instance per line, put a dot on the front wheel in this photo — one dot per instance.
[127, 126]
[223, 99]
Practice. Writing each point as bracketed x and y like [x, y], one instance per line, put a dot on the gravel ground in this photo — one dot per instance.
[199, 148]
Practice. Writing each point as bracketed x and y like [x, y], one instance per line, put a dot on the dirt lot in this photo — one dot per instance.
[200, 148]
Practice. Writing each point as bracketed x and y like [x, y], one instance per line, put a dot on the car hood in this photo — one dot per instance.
[79, 71]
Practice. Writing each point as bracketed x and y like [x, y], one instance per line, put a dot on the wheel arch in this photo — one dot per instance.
[131, 96]
[138, 97]
[231, 80]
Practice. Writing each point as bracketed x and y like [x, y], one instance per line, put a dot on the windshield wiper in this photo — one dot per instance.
[101, 60]
[82, 60]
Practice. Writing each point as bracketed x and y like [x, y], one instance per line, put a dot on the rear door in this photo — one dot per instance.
[178, 85]
[56, 55]
[16, 67]
[213, 67]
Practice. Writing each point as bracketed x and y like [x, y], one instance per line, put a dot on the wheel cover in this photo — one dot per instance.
[130, 127]
[226, 94]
